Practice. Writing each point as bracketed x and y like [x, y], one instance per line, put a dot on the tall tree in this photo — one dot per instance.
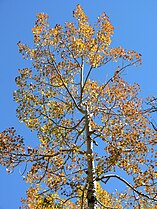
[88, 130]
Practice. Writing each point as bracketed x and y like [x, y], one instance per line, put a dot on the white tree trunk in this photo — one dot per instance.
[91, 195]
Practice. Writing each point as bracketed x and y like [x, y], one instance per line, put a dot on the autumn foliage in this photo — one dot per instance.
[88, 130]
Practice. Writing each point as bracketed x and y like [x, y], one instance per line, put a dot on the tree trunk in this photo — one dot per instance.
[91, 195]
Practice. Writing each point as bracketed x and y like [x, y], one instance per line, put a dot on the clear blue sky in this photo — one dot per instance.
[135, 25]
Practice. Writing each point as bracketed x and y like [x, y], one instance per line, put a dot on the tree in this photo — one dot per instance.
[88, 130]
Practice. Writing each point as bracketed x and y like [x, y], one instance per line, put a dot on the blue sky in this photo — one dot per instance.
[135, 25]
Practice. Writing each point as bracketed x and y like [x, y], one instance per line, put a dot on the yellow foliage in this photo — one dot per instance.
[37, 30]
[72, 113]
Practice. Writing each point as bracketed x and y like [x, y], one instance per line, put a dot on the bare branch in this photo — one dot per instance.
[108, 176]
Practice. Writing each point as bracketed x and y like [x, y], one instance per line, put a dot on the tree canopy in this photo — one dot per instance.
[88, 130]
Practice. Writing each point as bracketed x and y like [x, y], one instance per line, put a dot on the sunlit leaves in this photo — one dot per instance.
[80, 122]
[37, 30]
[10, 146]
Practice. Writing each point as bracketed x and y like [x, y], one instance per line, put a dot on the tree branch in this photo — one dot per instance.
[119, 71]
[59, 74]
[108, 176]
[65, 127]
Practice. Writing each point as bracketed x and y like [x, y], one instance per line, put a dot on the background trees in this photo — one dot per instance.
[87, 129]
